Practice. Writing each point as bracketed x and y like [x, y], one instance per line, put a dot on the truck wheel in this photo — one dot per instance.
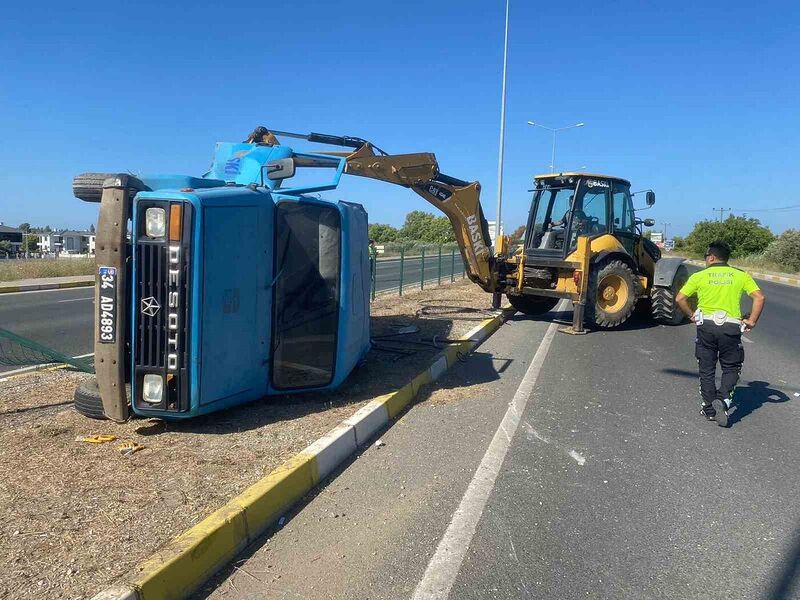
[612, 294]
[664, 308]
[532, 305]
[88, 401]
[89, 186]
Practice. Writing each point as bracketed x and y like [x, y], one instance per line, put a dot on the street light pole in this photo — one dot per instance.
[497, 297]
[665, 230]
[554, 130]
[502, 134]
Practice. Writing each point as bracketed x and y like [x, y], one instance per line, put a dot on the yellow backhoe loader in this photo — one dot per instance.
[583, 240]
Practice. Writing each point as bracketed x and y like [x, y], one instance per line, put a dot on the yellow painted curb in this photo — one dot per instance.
[186, 562]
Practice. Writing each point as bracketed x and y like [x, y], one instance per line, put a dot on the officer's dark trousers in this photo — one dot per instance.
[721, 343]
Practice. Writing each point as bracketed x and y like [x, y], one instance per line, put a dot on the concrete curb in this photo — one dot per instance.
[31, 287]
[186, 562]
[784, 279]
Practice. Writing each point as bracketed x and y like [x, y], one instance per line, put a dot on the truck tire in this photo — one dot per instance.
[664, 309]
[88, 401]
[612, 294]
[89, 186]
[532, 305]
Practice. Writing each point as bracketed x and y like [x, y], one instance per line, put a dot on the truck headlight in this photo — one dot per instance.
[155, 222]
[152, 388]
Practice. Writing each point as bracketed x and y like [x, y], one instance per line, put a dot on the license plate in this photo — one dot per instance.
[107, 306]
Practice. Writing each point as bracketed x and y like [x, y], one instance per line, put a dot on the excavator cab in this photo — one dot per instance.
[584, 242]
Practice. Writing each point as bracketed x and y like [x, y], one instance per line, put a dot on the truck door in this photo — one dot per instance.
[306, 294]
[623, 217]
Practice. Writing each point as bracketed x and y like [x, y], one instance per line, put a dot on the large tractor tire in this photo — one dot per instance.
[533, 305]
[664, 309]
[612, 294]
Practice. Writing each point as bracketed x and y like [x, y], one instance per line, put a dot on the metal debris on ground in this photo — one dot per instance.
[96, 439]
[128, 448]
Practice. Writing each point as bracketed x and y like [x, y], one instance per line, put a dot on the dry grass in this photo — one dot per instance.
[75, 516]
[35, 268]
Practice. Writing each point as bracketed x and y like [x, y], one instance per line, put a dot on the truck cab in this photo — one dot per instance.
[237, 288]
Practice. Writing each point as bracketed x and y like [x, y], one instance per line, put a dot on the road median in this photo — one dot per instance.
[181, 566]
[112, 511]
[46, 283]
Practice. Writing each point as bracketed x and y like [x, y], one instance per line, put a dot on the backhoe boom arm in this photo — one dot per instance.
[459, 200]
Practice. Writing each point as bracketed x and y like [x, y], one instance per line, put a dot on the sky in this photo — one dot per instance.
[698, 101]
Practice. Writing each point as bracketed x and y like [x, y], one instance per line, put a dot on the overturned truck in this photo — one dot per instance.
[219, 290]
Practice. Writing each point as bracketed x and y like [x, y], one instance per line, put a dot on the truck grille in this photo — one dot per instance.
[151, 265]
[161, 311]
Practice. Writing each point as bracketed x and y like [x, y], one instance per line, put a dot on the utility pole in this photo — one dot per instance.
[665, 230]
[721, 210]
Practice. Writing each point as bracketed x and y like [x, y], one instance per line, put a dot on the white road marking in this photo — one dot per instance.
[747, 339]
[75, 299]
[446, 562]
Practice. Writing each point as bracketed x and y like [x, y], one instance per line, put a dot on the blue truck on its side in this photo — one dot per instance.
[218, 290]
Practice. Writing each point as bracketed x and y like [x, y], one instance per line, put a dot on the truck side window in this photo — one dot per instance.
[306, 295]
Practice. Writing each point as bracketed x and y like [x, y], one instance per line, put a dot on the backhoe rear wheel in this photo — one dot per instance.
[532, 305]
[612, 294]
[664, 309]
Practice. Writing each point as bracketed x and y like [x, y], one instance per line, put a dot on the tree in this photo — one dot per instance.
[30, 243]
[91, 228]
[648, 234]
[426, 227]
[5, 247]
[382, 233]
[744, 236]
[680, 243]
[24, 227]
[518, 234]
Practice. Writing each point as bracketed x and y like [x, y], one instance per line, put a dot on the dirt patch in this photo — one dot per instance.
[74, 516]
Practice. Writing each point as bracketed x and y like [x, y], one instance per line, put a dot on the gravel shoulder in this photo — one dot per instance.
[75, 515]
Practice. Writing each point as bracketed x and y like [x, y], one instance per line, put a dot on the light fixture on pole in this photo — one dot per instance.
[554, 130]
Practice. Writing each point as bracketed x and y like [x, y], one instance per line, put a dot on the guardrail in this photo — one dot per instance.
[425, 267]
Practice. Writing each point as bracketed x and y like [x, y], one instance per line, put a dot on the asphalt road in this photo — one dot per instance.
[59, 319]
[604, 483]
[62, 319]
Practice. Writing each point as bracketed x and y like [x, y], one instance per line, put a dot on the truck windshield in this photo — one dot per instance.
[548, 223]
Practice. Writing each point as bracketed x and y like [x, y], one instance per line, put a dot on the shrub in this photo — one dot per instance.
[785, 250]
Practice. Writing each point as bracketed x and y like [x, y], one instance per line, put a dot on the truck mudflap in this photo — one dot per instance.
[111, 322]
[665, 271]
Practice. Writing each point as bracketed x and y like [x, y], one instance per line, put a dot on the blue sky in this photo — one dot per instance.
[698, 102]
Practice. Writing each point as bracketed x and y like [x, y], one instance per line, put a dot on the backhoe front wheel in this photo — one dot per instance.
[612, 294]
[532, 305]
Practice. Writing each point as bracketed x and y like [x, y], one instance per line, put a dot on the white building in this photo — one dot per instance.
[69, 242]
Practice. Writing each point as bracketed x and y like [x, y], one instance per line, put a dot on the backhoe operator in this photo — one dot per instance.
[720, 325]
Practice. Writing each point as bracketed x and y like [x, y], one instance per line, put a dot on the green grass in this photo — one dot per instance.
[12, 270]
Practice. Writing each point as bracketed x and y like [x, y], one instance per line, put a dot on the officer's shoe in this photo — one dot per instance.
[707, 411]
[721, 412]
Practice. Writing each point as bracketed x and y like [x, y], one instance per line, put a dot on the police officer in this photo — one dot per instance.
[719, 321]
